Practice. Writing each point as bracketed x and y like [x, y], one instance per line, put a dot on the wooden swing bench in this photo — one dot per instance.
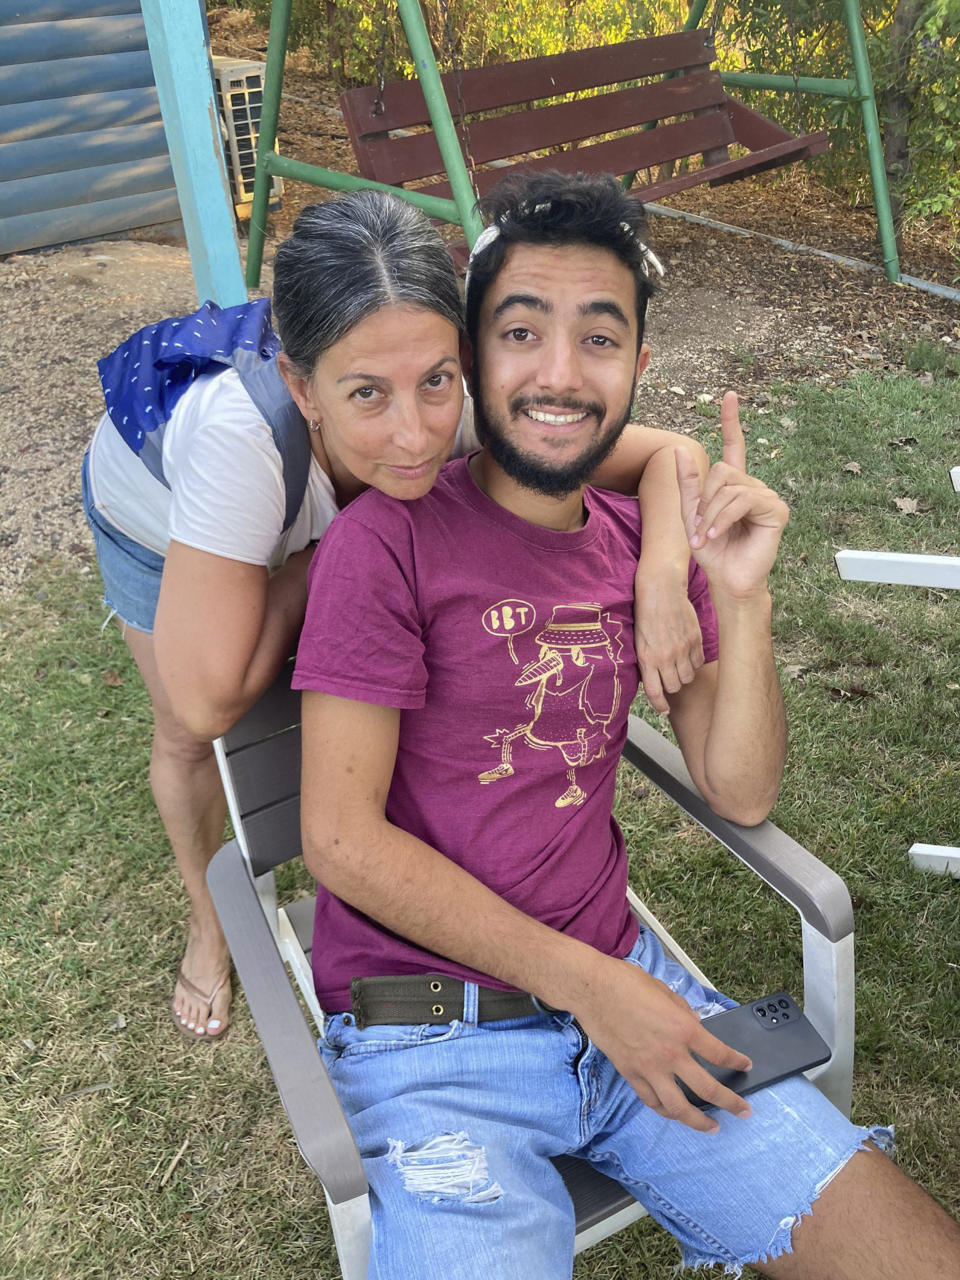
[661, 103]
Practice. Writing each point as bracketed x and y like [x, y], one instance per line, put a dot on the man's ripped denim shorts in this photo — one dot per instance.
[457, 1125]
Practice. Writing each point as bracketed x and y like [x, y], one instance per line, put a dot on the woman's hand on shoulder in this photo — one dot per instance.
[666, 633]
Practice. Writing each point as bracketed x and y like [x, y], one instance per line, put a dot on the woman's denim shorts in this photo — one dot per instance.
[131, 572]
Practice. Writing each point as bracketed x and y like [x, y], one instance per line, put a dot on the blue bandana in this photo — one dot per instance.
[145, 377]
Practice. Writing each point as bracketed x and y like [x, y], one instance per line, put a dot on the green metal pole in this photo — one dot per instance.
[787, 84]
[433, 206]
[270, 115]
[447, 140]
[871, 125]
[695, 14]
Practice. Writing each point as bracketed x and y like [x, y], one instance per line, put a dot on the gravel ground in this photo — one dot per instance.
[65, 309]
[731, 313]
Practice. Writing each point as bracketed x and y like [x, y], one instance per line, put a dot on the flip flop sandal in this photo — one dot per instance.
[207, 999]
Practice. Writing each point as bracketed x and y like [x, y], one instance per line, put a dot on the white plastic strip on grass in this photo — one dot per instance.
[942, 572]
[939, 858]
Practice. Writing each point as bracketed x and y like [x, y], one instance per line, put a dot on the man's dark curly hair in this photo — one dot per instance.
[554, 208]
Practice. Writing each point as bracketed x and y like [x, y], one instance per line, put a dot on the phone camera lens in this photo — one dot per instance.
[785, 1017]
[761, 1011]
[772, 1007]
[783, 1004]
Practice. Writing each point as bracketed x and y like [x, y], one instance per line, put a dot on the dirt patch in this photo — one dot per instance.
[731, 312]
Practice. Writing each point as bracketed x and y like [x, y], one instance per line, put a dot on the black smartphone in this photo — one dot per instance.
[775, 1036]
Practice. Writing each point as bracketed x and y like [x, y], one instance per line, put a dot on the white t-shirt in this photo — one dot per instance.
[226, 492]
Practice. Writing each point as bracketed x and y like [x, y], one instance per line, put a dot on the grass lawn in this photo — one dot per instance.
[127, 1154]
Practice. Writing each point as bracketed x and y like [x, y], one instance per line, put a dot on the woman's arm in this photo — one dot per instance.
[223, 630]
[666, 632]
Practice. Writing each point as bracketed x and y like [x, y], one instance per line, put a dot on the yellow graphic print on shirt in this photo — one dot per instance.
[573, 687]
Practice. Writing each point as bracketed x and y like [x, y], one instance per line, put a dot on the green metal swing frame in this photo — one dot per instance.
[461, 208]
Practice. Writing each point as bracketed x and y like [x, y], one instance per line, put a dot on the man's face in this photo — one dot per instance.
[556, 363]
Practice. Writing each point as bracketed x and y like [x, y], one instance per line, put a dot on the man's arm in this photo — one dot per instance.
[730, 721]
[647, 1031]
[666, 632]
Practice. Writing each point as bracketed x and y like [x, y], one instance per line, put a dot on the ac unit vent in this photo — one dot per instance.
[240, 99]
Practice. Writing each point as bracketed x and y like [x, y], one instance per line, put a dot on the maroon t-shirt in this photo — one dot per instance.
[509, 650]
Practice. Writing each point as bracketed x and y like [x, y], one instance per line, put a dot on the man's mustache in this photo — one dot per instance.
[551, 403]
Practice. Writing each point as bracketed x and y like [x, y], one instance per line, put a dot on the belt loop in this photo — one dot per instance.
[471, 1003]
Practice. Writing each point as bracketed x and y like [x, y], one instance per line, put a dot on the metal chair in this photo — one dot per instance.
[260, 765]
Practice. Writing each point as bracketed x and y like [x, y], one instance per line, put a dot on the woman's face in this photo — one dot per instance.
[388, 398]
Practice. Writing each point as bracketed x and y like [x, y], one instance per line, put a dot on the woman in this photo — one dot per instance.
[204, 527]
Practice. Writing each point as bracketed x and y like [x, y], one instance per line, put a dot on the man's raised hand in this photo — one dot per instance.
[735, 521]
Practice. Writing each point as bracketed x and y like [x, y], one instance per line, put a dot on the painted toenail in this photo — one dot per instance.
[199, 1031]
[190, 1025]
[213, 1024]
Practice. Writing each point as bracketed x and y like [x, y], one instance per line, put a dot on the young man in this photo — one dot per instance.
[469, 669]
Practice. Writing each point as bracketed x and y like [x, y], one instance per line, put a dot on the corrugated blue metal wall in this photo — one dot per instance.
[82, 147]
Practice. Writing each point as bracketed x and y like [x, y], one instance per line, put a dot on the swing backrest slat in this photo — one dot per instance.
[409, 159]
[647, 103]
[498, 88]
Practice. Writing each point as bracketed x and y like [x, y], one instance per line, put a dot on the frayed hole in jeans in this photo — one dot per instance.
[446, 1167]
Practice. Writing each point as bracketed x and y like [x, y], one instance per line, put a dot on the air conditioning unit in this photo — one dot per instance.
[240, 99]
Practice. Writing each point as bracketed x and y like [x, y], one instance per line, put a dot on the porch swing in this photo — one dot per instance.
[655, 107]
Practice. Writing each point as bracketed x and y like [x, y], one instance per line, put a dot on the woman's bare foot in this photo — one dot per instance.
[201, 998]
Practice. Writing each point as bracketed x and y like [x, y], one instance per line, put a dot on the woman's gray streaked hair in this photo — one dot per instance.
[349, 257]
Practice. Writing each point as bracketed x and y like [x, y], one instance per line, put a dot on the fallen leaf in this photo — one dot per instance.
[909, 506]
[795, 670]
[119, 1024]
[854, 467]
[113, 678]
[902, 442]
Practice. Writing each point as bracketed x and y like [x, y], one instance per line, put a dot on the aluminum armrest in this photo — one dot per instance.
[305, 1089]
[816, 892]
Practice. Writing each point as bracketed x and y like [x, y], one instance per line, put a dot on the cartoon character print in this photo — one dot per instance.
[573, 688]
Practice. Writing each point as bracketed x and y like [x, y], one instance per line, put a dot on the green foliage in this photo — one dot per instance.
[800, 37]
[927, 356]
[357, 39]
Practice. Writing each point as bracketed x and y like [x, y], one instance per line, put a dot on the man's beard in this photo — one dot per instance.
[531, 472]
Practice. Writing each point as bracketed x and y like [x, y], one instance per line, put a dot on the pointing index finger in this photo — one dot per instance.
[734, 448]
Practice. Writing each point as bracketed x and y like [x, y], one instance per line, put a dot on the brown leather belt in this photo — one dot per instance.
[430, 998]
